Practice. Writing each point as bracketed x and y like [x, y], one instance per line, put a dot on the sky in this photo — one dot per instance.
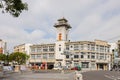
[89, 19]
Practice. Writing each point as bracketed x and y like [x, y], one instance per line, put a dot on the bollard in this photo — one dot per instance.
[78, 76]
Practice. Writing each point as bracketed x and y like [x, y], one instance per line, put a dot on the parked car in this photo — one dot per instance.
[76, 68]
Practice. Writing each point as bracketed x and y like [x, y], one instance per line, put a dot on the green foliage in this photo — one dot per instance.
[14, 7]
[3, 57]
[18, 57]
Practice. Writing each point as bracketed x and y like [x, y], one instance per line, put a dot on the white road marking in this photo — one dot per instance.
[112, 77]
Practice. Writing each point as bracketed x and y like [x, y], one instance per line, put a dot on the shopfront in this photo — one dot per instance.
[102, 66]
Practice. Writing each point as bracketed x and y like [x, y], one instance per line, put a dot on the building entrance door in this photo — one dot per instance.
[101, 66]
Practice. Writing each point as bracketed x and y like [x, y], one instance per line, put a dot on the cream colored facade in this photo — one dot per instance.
[19, 48]
[42, 53]
[90, 55]
[25, 48]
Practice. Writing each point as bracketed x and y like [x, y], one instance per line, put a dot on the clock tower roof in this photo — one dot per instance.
[62, 23]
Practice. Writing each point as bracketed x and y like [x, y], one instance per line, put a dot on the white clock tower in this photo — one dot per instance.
[62, 29]
[62, 36]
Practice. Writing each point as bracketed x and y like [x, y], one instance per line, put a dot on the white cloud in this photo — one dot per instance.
[37, 34]
[90, 19]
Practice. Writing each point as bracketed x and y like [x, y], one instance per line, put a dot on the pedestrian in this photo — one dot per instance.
[13, 67]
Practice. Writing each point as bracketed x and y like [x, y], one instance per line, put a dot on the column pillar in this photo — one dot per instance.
[97, 67]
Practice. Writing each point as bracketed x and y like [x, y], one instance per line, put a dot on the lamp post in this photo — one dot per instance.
[7, 58]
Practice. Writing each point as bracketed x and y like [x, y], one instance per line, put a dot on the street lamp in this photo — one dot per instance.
[7, 58]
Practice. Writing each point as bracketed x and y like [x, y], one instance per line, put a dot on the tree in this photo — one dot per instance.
[14, 7]
[3, 57]
[19, 57]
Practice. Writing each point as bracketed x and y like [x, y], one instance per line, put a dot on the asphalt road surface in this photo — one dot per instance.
[40, 75]
[101, 75]
[53, 75]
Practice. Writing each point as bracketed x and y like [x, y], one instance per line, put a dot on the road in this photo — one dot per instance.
[41, 75]
[101, 75]
[67, 75]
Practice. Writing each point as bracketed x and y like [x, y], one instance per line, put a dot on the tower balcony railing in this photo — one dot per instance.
[62, 24]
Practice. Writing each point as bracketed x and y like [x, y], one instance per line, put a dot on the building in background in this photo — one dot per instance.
[25, 48]
[118, 45]
[3, 47]
[90, 55]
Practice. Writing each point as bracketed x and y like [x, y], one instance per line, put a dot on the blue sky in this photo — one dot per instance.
[90, 19]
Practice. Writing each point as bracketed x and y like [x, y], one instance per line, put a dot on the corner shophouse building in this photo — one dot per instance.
[90, 55]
